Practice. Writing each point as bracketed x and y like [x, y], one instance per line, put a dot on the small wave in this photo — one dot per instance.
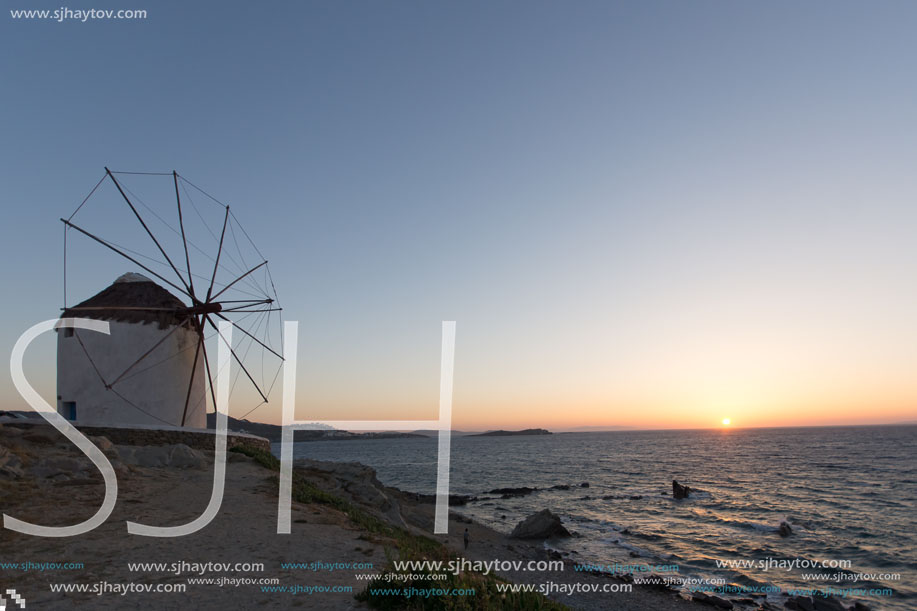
[641, 535]
[633, 549]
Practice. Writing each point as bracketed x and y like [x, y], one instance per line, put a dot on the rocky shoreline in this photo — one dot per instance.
[340, 512]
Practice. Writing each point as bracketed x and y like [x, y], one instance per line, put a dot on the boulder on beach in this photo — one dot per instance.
[540, 525]
[679, 491]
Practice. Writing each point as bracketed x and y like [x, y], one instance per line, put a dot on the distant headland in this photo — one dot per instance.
[510, 433]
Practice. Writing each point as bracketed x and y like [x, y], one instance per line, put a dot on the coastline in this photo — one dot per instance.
[348, 518]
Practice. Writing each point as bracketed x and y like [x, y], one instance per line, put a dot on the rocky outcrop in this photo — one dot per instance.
[37, 432]
[512, 492]
[176, 455]
[679, 491]
[455, 500]
[356, 482]
[540, 525]
[10, 464]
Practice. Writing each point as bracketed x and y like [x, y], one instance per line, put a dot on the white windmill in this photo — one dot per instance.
[153, 367]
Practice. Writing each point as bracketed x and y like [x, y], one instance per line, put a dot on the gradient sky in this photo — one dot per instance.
[654, 214]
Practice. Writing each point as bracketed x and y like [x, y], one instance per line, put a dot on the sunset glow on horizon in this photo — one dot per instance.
[639, 215]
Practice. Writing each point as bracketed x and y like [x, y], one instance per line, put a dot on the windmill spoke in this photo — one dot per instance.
[200, 328]
[150, 233]
[216, 264]
[238, 360]
[197, 354]
[239, 310]
[265, 346]
[226, 288]
[184, 240]
[248, 301]
[129, 258]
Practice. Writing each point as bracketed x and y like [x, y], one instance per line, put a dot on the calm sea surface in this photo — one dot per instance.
[849, 493]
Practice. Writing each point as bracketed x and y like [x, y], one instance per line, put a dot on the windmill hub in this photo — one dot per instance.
[206, 308]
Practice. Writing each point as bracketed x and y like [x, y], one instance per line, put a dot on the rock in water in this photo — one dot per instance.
[679, 491]
[511, 492]
[540, 525]
[784, 530]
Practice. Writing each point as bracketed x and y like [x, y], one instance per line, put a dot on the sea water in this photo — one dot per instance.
[849, 495]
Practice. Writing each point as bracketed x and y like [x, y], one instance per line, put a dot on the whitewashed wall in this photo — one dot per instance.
[159, 390]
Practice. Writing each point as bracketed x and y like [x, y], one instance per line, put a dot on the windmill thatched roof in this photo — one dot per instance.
[125, 300]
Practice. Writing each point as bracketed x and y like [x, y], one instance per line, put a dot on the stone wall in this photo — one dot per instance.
[199, 440]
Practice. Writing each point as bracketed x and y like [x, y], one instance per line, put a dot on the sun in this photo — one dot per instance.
[726, 421]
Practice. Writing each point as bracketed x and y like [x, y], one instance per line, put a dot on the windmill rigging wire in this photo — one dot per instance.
[109, 387]
[197, 211]
[231, 214]
[250, 241]
[240, 269]
[86, 199]
[144, 173]
[161, 264]
[147, 353]
[169, 358]
[247, 350]
[202, 191]
[65, 266]
[245, 415]
[138, 408]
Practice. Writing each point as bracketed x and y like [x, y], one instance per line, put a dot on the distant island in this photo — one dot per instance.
[322, 433]
[512, 433]
[273, 432]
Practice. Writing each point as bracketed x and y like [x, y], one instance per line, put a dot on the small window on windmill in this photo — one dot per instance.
[69, 409]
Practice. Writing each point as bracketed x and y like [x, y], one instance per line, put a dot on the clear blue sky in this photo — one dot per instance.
[636, 212]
